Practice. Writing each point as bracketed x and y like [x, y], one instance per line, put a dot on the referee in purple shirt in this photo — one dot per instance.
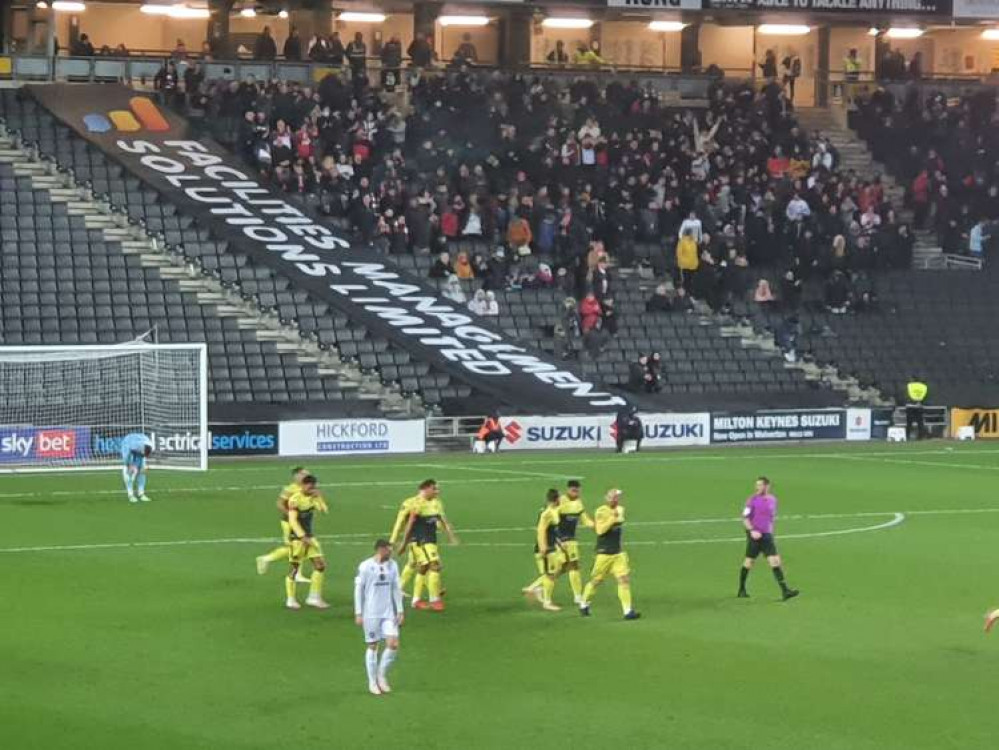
[758, 518]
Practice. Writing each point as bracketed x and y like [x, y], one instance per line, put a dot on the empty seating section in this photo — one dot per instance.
[61, 283]
[314, 318]
[937, 325]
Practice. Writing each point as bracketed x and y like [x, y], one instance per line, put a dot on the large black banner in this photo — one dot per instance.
[893, 7]
[207, 182]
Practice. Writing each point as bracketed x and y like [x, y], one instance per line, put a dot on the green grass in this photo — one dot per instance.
[183, 646]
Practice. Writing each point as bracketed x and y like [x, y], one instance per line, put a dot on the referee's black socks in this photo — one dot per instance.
[743, 575]
[779, 575]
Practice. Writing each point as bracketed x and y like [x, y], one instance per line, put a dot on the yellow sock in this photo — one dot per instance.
[316, 588]
[406, 575]
[434, 584]
[588, 592]
[536, 582]
[576, 582]
[289, 586]
[418, 583]
[278, 553]
[624, 594]
[548, 587]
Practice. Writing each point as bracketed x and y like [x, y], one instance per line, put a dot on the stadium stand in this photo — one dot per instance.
[295, 307]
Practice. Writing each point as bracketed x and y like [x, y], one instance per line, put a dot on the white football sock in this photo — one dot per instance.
[388, 657]
[371, 663]
[128, 480]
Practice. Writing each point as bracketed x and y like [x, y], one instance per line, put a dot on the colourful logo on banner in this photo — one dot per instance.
[142, 114]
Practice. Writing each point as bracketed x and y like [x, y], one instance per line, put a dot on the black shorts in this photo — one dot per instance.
[765, 545]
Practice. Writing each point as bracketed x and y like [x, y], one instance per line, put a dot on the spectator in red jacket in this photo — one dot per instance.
[590, 312]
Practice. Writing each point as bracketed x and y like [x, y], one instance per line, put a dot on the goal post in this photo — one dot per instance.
[66, 408]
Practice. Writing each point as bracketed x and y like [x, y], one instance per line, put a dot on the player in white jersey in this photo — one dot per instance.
[378, 610]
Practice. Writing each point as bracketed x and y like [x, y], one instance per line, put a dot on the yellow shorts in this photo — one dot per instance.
[301, 551]
[616, 565]
[570, 550]
[553, 562]
[286, 532]
[425, 554]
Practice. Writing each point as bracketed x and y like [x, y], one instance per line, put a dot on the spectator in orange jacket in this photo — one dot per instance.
[519, 236]
[491, 433]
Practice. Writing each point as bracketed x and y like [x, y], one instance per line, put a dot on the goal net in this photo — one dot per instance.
[68, 407]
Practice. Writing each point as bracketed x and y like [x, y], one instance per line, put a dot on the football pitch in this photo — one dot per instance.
[147, 626]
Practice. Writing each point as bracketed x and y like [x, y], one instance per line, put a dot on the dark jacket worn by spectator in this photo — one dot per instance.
[265, 48]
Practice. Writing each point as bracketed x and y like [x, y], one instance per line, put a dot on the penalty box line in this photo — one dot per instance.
[364, 539]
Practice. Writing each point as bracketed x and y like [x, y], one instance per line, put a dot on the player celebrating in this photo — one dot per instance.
[378, 610]
[758, 518]
[571, 511]
[609, 520]
[282, 552]
[405, 510]
[549, 550]
[301, 508]
[421, 532]
[135, 449]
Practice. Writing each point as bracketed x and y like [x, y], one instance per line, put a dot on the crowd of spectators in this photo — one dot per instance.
[520, 182]
[946, 153]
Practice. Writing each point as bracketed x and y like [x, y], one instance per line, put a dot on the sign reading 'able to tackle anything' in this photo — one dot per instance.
[207, 182]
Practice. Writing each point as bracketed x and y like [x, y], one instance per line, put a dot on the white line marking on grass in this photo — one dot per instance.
[906, 462]
[737, 452]
[254, 487]
[494, 470]
[364, 538]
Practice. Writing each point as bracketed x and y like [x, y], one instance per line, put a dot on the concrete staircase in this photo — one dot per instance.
[854, 156]
[133, 240]
[827, 377]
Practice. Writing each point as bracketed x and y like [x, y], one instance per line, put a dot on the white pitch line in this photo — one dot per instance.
[494, 470]
[906, 462]
[732, 453]
[254, 487]
[898, 517]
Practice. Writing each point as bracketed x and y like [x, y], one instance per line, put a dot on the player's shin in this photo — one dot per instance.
[624, 595]
[278, 553]
[371, 665]
[316, 586]
[128, 477]
[434, 585]
[418, 585]
[576, 582]
[548, 588]
[140, 482]
[388, 657]
[588, 591]
[289, 586]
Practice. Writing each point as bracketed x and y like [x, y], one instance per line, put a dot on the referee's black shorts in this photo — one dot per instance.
[765, 545]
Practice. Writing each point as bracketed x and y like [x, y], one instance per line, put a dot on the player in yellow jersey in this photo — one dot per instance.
[421, 536]
[282, 552]
[611, 558]
[571, 512]
[302, 507]
[407, 507]
[548, 550]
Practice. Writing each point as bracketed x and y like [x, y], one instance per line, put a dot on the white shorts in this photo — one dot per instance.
[379, 628]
